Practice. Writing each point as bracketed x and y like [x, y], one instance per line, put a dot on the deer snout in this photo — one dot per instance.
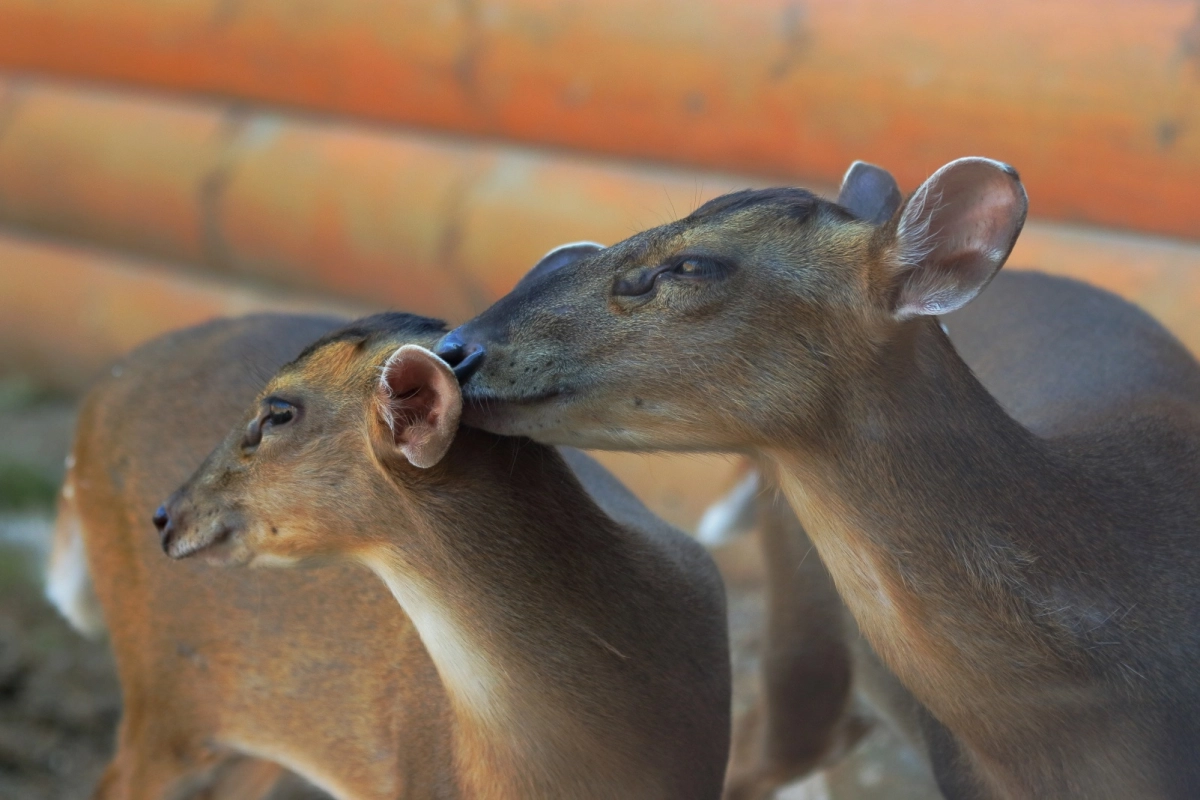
[181, 535]
[465, 359]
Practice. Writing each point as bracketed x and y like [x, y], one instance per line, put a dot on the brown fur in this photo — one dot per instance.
[1025, 560]
[597, 631]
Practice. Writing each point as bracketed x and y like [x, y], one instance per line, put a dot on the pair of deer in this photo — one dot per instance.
[1021, 558]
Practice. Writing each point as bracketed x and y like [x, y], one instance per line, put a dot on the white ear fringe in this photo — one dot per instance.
[914, 234]
[384, 399]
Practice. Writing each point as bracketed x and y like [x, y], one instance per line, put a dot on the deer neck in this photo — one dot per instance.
[941, 519]
[491, 579]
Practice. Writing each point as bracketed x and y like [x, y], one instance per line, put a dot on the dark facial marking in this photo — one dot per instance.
[796, 203]
[364, 330]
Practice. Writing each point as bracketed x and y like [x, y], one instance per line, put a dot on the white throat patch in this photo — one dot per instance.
[472, 682]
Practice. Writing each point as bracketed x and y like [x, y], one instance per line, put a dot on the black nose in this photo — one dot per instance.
[464, 359]
[451, 348]
[166, 531]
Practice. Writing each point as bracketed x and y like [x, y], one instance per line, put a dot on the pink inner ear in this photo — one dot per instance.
[421, 404]
[410, 398]
[955, 232]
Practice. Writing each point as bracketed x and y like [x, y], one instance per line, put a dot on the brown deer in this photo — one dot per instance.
[1018, 540]
[552, 638]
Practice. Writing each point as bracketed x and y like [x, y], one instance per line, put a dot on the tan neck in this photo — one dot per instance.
[942, 520]
[485, 592]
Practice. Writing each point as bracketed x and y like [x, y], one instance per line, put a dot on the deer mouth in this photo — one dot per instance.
[512, 415]
[486, 398]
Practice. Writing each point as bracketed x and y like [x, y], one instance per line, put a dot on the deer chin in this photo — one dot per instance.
[220, 545]
[557, 419]
[514, 415]
[229, 554]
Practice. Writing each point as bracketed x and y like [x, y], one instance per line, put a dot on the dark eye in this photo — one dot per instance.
[696, 267]
[638, 283]
[279, 412]
[275, 412]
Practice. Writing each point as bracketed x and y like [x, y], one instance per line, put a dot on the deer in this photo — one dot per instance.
[530, 629]
[1013, 530]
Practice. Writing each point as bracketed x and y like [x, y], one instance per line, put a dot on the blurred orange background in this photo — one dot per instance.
[162, 163]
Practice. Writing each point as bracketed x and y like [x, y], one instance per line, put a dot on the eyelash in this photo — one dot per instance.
[644, 281]
[700, 267]
[279, 412]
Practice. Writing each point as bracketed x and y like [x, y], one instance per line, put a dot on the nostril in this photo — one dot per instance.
[161, 518]
[470, 364]
[450, 349]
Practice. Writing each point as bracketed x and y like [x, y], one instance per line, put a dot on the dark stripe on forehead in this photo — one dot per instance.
[387, 324]
[796, 203]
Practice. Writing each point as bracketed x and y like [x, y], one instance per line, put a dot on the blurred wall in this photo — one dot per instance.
[162, 163]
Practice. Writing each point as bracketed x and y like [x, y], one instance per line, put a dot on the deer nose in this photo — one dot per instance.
[451, 348]
[465, 359]
[166, 531]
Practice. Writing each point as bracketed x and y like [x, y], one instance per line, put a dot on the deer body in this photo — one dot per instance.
[541, 647]
[1025, 559]
[1034, 566]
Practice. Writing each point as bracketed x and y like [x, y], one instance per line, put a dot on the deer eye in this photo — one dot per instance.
[698, 268]
[690, 268]
[275, 412]
[278, 412]
[638, 283]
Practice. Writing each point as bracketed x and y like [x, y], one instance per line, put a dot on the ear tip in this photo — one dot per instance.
[417, 350]
[413, 353]
[1021, 196]
[854, 167]
[859, 166]
[982, 172]
[1011, 172]
[987, 163]
[583, 244]
[407, 351]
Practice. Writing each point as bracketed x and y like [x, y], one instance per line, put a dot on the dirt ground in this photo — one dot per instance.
[59, 698]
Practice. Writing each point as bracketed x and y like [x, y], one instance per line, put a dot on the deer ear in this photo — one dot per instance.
[420, 403]
[954, 234]
[869, 193]
[560, 257]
